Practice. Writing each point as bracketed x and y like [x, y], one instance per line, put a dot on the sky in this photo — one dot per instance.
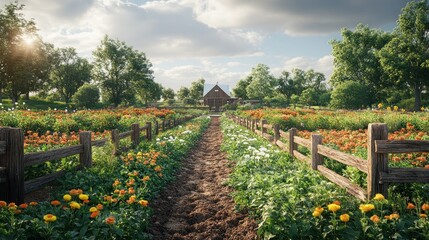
[218, 40]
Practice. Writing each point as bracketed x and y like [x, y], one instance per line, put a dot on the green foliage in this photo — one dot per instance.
[87, 96]
[196, 89]
[262, 83]
[350, 95]
[240, 89]
[168, 94]
[183, 93]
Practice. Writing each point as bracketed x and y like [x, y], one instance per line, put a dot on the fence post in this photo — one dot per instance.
[85, 158]
[316, 158]
[163, 125]
[377, 162]
[156, 128]
[135, 136]
[149, 131]
[253, 125]
[13, 162]
[263, 129]
[276, 129]
[292, 145]
[115, 140]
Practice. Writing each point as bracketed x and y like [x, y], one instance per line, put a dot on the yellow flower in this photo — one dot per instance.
[67, 197]
[74, 205]
[317, 211]
[402, 110]
[344, 217]
[49, 218]
[380, 105]
[379, 197]
[389, 109]
[93, 209]
[83, 197]
[422, 108]
[334, 207]
[395, 108]
[366, 207]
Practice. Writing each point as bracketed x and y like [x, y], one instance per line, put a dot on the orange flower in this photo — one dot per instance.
[12, 205]
[23, 205]
[425, 207]
[94, 214]
[110, 220]
[423, 215]
[158, 168]
[145, 178]
[375, 218]
[131, 190]
[3, 204]
[144, 203]
[411, 206]
[131, 200]
[99, 206]
[336, 202]
[345, 217]
[55, 203]
[33, 203]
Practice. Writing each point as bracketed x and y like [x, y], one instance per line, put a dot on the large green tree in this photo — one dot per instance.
[197, 88]
[183, 93]
[240, 90]
[168, 93]
[69, 72]
[120, 71]
[262, 83]
[355, 59]
[406, 57]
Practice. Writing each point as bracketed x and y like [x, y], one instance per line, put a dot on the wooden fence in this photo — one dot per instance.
[376, 166]
[13, 161]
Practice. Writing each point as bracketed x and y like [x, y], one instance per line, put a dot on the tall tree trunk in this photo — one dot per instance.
[27, 96]
[417, 97]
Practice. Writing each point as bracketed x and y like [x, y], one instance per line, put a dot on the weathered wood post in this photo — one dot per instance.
[12, 162]
[149, 131]
[276, 129]
[377, 162]
[115, 140]
[253, 125]
[316, 158]
[85, 158]
[135, 136]
[292, 145]
[163, 125]
[156, 127]
[263, 129]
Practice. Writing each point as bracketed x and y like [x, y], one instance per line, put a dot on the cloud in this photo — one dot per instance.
[324, 65]
[297, 17]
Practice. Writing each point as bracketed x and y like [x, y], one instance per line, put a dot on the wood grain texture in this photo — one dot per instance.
[377, 162]
[401, 146]
[343, 182]
[36, 183]
[99, 143]
[282, 145]
[405, 175]
[345, 158]
[2, 147]
[31, 159]
[302, 141]
[284, 135]
[301, 157]
[316, 158]
[125, 134]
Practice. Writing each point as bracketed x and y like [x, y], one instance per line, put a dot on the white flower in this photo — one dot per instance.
[16, 103]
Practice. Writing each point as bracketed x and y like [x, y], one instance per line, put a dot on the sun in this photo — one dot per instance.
[28, 39]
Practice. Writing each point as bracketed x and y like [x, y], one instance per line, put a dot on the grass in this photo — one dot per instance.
[35, 104]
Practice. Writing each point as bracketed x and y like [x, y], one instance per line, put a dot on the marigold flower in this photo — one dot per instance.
[83, 197]
[33, 203]
[93, 209]
[316, 213]
[131, 190]
[425, 207]
[74, 205]
[344, 217]
[23, 205]
[145, 178]
[422, 215]
[99, 206]
[94, 214]
[3, 204]
[334, 207]
[75, 192]
[144, 203]
[411, 206]
[67, 197]
[394, 216]
[379, 197]
[131, 200]
[158, 168]
[12, 205]
[49, 218]
[375, 218]
[110, 220]
[366, 207]
[56, 203]
[336, 202]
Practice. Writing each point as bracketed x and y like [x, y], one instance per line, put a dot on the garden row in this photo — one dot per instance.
[110, 200]
[291, 201]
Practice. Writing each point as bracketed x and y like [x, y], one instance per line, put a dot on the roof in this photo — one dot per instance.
[209, 86]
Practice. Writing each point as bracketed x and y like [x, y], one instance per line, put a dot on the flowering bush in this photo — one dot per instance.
[110, 200]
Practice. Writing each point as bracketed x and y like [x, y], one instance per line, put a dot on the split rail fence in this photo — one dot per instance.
[379, 174]
[13, 161]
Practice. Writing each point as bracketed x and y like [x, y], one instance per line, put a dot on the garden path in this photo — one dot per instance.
[198, 205]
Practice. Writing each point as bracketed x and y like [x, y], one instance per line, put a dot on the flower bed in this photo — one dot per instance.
[291, 201]
[110, 200]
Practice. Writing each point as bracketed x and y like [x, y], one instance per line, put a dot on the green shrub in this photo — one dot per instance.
[87, 96]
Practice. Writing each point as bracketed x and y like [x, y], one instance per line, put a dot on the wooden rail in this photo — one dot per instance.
[13, 160]
[376, 166]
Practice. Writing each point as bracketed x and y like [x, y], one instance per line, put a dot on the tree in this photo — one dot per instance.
[240, 90]
[120, 71]
[197, 88]
[87, 96]
[262, 83]
[406, 57]
[350, 95]
[309, 97]
[21, 52]
[355, 59]
[151, 91]
[183, 93]
[69, 72]
[168, 94]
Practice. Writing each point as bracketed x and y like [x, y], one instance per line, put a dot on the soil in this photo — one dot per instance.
[198, 205]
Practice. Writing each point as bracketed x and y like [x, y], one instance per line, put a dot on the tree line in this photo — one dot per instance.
[28, 64]
[371, 66]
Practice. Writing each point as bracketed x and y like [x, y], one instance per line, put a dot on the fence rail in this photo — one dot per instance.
[13, 161]
[375, 166]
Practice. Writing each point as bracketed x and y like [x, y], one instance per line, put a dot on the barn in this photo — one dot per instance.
[216, 95]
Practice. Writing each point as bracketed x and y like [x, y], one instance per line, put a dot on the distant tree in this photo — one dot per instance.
[294, 99]
[355, 59]
[69, 72]
[240, 90]
[350, 95]
[87, 96]
[406, 57]
[150, 92]
[309, 97]
[197, 88]
[262, 83]
[183, 93]
[168, 93]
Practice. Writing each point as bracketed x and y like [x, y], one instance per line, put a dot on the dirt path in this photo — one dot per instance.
[198, 204]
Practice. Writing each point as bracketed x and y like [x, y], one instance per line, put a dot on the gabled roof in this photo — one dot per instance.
[209, 86]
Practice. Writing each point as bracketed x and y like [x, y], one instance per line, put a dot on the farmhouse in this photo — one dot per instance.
[215, 96]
